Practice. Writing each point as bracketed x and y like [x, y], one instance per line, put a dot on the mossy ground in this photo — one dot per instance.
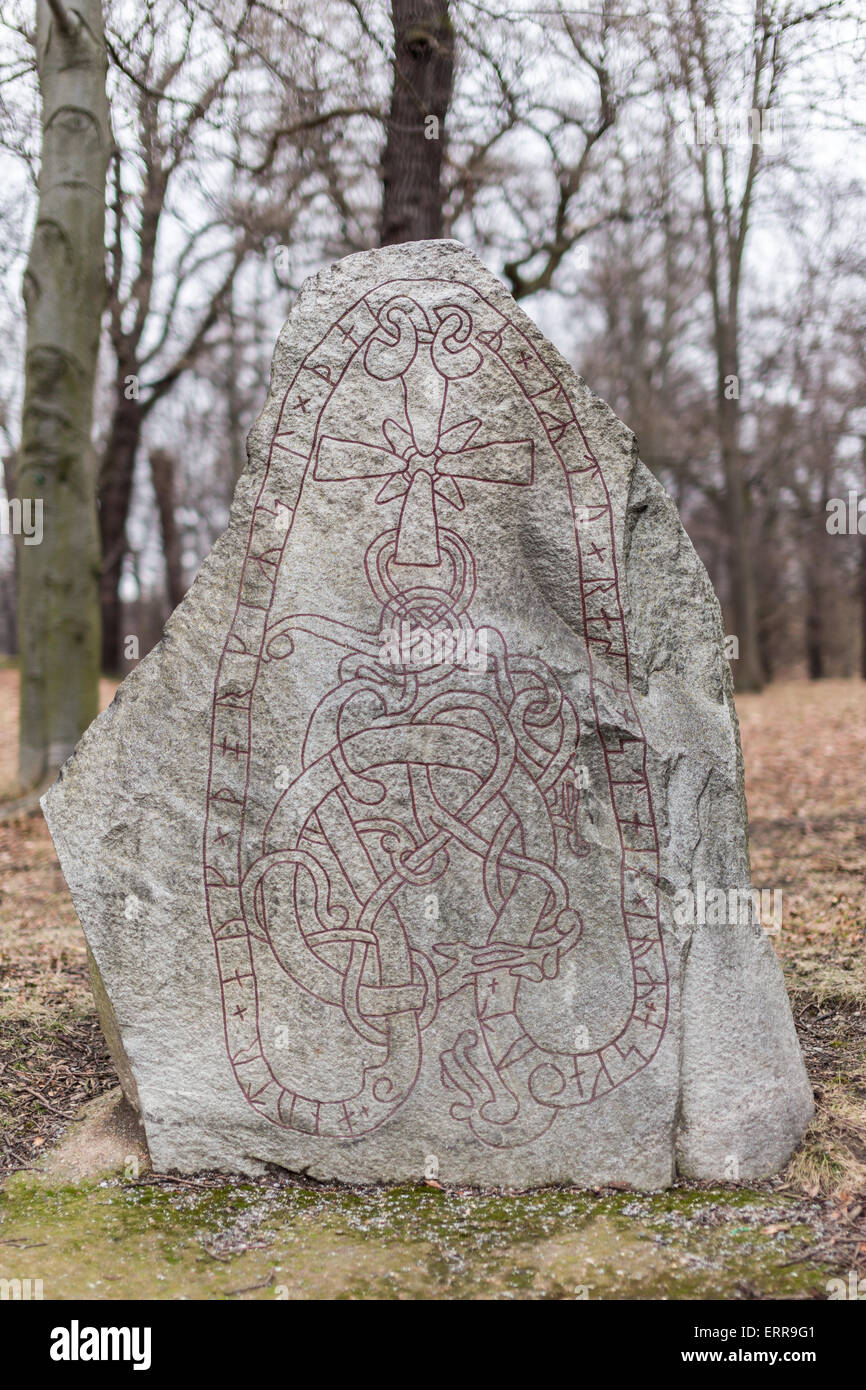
[278, 1239]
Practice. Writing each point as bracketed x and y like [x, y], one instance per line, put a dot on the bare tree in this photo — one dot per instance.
[64, 293]
[641, 289]
[733, 75]
[150, 350]
[534, 181]
[187, 79]
[257, 138]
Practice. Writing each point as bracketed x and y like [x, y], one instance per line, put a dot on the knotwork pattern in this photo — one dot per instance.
[465, 762]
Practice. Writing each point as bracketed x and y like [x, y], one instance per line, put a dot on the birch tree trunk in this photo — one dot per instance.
[64, 293]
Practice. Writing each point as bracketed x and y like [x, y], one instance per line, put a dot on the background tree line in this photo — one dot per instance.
[671, 191]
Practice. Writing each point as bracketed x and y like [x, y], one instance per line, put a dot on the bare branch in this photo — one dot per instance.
[64, 22]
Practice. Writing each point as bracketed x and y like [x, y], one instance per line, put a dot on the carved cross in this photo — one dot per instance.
[421, 478]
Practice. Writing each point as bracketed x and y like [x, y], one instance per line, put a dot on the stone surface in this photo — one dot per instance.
[105, 1137]
[378, 853]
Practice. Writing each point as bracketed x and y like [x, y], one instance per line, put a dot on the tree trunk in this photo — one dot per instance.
[748, 668]
[162, 467]
[64, 289]
[423, 78]
[814, 621]
[233, 400]
[114, 498]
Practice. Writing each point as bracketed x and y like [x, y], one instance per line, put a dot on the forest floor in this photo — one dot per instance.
[135, 1234]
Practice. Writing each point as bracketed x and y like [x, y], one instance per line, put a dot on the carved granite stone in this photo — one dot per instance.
[378, 853]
